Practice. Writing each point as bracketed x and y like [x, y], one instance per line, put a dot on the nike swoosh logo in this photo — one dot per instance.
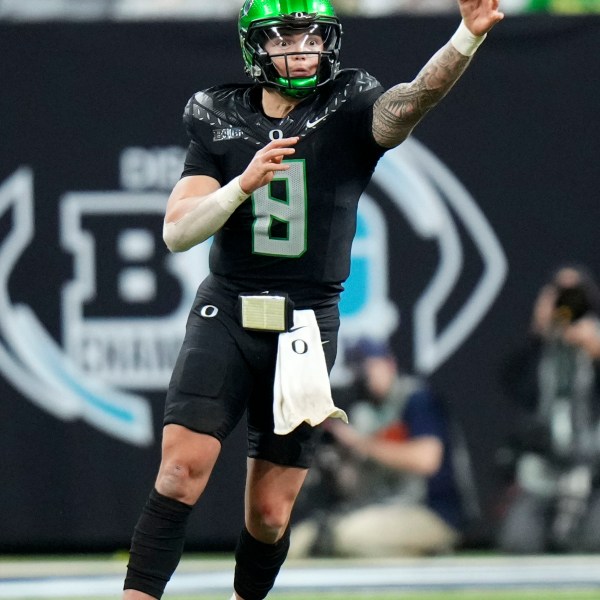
[311, 124]
[296, 328]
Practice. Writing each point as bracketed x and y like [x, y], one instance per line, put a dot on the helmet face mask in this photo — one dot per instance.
[294, 52]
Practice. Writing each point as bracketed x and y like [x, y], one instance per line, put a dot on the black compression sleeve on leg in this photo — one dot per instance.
[157, 544]
[257, 564]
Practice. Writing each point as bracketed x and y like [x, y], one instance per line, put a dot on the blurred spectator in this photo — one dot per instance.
[175, 9]
[564, 6]
[553, 6]
[384, 485]
[91, 10]
[554, 380]
[374, 8]
[42, 10]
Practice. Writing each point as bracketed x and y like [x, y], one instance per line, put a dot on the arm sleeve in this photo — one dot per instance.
[198, 161]
[361, 113]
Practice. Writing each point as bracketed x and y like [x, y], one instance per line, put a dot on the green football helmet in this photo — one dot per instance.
[277, 24]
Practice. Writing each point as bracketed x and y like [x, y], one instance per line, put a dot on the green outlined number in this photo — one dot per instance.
[289, 215]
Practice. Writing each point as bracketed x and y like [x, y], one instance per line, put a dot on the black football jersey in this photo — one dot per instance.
[295, 234]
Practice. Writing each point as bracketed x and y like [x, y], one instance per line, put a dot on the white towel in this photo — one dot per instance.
[301, 391]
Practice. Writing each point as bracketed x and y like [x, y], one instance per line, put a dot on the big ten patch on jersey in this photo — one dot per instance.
[227, 133]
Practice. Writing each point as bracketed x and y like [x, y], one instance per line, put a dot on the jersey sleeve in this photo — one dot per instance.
[199, 159]
[360, 110]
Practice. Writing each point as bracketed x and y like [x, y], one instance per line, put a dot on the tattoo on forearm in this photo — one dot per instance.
[399, 109]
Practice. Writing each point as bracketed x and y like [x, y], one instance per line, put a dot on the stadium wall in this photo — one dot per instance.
[93, 307]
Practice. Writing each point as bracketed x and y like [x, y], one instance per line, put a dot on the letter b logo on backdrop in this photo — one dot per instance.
[123, 311]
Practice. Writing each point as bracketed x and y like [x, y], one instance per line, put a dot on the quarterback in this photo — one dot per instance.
[274, 171]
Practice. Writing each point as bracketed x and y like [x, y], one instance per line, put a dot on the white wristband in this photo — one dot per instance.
[465, 42]
[230, 196]
[206, 218]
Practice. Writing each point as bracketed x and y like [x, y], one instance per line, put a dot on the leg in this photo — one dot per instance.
[271, 491]
[277, 468]
[187, 462]
[208, 393]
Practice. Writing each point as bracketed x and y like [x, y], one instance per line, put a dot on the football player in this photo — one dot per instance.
[274, 171]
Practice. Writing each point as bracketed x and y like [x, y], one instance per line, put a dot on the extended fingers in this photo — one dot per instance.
[484, 12]
[277, 154]
[266, 162]
[282, 142]
[279, 145]
[495, 14]
[274, 152]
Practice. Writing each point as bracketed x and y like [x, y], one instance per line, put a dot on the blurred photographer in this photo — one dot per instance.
[554, 380]
[397, 481]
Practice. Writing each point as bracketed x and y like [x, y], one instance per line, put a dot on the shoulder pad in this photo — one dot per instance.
[357, 81]
[224, 108]
[221, 102]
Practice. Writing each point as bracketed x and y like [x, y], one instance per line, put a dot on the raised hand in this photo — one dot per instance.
[480, 15]
[266, 162]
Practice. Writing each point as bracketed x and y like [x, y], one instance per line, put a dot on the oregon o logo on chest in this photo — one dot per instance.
[275, 134]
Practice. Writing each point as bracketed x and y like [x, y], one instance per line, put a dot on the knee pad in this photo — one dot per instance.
[257, 564]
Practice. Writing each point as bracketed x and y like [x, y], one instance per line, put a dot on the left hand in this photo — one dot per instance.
[480, 15]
